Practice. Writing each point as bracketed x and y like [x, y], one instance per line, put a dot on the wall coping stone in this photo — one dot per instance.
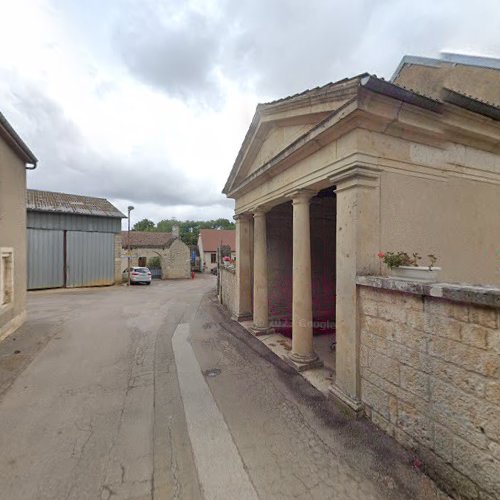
[231, 269]
[458, 292]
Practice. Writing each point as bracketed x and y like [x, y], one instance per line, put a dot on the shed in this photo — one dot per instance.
[73, 240]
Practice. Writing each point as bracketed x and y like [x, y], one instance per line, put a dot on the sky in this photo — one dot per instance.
[146, 102]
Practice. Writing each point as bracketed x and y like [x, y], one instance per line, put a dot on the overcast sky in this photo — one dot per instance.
[146, 102]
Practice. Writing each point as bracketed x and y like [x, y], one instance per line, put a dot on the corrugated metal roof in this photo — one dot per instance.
[146, 239]
[48, 201]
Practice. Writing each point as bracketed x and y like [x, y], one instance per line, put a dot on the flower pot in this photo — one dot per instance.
[418, 273]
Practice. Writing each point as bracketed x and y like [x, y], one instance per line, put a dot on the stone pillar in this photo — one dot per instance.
[243, 302]
[358, 242]
[260, 291]
[302, 356]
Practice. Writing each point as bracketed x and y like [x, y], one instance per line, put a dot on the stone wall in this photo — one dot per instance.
[176, 263]
[227, 294]
[430, 377]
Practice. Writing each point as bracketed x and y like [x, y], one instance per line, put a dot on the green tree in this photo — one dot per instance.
[144, 225]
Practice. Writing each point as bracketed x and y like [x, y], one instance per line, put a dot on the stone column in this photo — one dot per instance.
[302, 355]
[243, 302]
[358, 241]
[260, 291]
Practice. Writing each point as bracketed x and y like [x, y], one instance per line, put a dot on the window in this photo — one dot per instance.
[6, 276]
[213, 258]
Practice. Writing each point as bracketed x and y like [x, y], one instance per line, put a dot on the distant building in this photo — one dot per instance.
[209, 241]
[73, 240]
[174, 254]
[15, 158]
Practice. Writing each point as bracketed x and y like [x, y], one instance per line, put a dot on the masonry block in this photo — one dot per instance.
[492, 392]
[412, 338]
[442, 326]
[477, 464]
[484, 316]
[475, 335]
[384, 366]
[443, 442]
[440, 307]
[471, 358]
[458, 377]
[375, 398]
[415, 381]
[416, 425]
[380, 327]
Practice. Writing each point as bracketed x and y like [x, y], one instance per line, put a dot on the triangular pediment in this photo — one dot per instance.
[277, 125]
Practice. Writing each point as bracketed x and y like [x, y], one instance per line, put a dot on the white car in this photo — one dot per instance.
[138, 275]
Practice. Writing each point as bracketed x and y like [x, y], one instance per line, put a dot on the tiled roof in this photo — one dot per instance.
[146, 239]
[48, 201]
[212, 238]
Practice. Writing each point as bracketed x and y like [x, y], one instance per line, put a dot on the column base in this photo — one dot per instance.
[303, 363]
[260, 331]
[242, 317]
[353, 405]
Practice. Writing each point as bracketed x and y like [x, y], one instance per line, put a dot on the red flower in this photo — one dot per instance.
[381, 255]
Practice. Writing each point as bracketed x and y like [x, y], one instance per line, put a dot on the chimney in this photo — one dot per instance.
[175, 231]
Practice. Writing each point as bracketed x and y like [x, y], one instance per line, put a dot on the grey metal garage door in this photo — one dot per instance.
[45, 258]
[90, 258]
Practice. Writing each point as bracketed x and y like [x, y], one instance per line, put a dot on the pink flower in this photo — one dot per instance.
[381, 255]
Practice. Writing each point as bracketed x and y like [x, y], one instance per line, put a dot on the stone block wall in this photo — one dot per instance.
[227, 295]
[430, 377]
[176, 263]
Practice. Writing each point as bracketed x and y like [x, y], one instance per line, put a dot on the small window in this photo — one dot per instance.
[6, 276]
[213, 258]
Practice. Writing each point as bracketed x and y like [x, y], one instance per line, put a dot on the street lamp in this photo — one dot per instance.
[130, 208]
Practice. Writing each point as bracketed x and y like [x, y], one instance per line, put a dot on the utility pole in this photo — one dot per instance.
[130, 208]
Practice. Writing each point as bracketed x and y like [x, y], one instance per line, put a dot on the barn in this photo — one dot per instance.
[73, 240]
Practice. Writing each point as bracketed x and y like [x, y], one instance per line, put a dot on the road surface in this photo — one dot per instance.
[150, 392]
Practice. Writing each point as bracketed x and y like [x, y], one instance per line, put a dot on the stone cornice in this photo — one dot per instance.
[356, 176]
[479, 295]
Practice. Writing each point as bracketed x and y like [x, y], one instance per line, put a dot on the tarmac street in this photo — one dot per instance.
[151, 392]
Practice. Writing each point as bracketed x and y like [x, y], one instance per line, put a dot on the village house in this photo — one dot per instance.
[15, 158]
[144, 246]
[73, 240]
[209, 241]
[328, 178]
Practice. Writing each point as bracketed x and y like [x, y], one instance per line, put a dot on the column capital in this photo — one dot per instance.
[356, 176]
[301, 195]
[242, 216]
[259, 211]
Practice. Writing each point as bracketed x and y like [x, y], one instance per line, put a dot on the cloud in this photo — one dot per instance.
[176, 53]
[69, 162]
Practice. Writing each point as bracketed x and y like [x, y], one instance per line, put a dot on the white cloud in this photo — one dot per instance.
[147, 102]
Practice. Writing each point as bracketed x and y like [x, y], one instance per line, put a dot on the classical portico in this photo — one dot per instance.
[327, 179]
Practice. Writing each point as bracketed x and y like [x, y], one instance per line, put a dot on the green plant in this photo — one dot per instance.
[397, 259]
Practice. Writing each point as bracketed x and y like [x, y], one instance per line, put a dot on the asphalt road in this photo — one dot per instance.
[151, 392]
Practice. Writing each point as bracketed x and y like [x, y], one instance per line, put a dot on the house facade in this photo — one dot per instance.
[327, 179]
[15, 158]
[73, 240]
[209, 241]
[174, 254]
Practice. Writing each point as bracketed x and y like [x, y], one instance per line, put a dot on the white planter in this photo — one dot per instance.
[418, 273]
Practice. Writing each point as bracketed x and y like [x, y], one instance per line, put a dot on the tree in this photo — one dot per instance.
[144, 225]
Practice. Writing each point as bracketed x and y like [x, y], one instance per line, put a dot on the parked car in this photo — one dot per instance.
[138, 275]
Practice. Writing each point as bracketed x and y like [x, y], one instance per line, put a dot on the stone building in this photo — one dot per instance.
[174, 254]
[209, 241]
[325, 180]
[15, 159]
